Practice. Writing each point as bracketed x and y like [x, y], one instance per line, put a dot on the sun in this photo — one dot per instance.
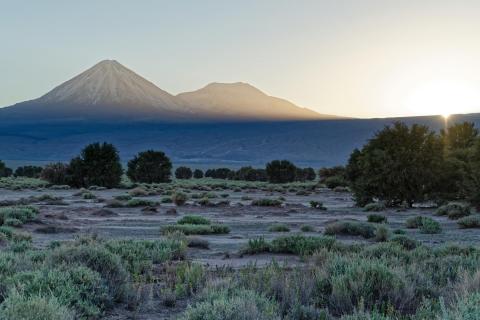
[442, 97]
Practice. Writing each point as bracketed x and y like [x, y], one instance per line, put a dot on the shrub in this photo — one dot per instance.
[265, 202]
[430, 226]
[301, 245]
[193, 219]
[233, 305]
[335, 181]
[281, 171]
[279, 228]
[317, 205]
[179, 198]
[400, 164]
[198, 174]
[220, 173]
[55, 173]
[21, 213]
[140, 203]
[307, 228]
[197, 242]
[472, 221]
[150, 167]
[28, 171]
[19, 307]
[352, 228]
[4, 171]
[251, 174]
[257, 245]
[123, 197]
[454, 210]
[465, 308]
[13, 222]
[377, 218]
[405, 242]
[183, 173]
[414, 222]
[382, 234]
[98, 164]
[199, 229]
[137, 192]
[374, 206]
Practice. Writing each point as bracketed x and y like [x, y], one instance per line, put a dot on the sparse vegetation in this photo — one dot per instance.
[377, 218]
[472, 221]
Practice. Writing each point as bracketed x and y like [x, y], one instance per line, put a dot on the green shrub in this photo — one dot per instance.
[352, 228]
[414, 222]
[465, 308]
[123, 197]
[138, 192]
[335, 181]
[382, 234]
[405, 242]
[150, 167]
[279, 228]
[21, 213]
[281, 171]
[430, 226]
[179, 198]
[265, 202]
[55, 173]
[307, 228]
[193, 219]
[374, 206]
[454, 210]
[233, 305]
[199, 229]
[257, 245]
[190, 278]
[377, 218]
[183, 173]
[166, 200]
[472, 221]
[13, 222]
[19, 307]
[301, 245]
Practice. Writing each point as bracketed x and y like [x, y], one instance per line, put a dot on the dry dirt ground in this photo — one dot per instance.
[74, 216]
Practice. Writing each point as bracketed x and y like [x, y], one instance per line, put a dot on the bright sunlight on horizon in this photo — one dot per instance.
[351, 58]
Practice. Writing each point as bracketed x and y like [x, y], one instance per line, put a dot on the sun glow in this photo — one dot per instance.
[442, 97]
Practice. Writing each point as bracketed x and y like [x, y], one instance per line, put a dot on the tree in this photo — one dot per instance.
[472, 178]
[460, 136]
[281, 171]
[28, 171]
[220, 173]
[55, 173]
[4, 170]
[198, 174]
[150, 167]
[98, 164]
[250, 174]
[400, 164]
[305, 174]
[183, 173]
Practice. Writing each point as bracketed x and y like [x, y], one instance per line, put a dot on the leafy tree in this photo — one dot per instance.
[338, 171]
[460, 136]
[250, 174]
[198, 174]
[305, 174]
[28, 171]
[400, 164]
[220, 173]
[150, 167]
[472, 176]
[4, 170]
[55, 173]
[98, 164]
[183, 173]
[281, 171]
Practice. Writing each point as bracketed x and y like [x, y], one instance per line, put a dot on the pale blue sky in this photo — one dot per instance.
[361, 58]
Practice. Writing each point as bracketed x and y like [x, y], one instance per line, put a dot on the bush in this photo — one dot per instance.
[430, 226]
[352, 228]
[28, 171]
[405, 242]
[469, 222]
[183, 173]
[198, 174]
[220, 173]
[193, 220]
[257, 245]
[136, 192]
[400, 164]
[301, 245]
[197, 242]
[179, 198]
[251, 174]
[233, 305]
[265, 202]
[414, 222]
[140, 203]
[21, 213]
[55, 173]
[281, 171]
[454, 210]
[19, 307]
[317, 205]
[97, 165]
[377, 218]
[382, 234]
[374, 206]
[196, 229]
[150, 167]
[307, 228]
[4, 171]
[335, 181]
[279, 228]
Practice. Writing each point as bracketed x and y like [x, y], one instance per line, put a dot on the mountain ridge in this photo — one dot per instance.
[109, 90]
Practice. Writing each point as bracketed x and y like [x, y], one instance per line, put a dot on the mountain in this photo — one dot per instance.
[243, 101]
[108, 91]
